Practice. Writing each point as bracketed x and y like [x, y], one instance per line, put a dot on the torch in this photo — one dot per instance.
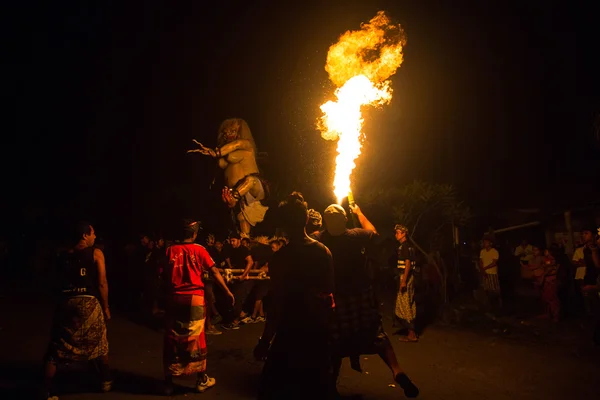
[352, 203]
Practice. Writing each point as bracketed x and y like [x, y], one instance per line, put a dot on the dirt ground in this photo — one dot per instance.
[469, 360]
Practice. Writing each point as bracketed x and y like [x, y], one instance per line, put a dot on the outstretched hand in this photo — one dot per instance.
[203, 150]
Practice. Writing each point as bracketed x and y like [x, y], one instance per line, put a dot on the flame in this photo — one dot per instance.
[359, 64]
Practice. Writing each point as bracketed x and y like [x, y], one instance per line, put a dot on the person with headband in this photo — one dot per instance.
[184, 350]
[406, 307]
[315, 222]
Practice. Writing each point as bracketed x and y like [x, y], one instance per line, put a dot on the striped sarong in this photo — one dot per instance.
[491, 283]
[184, 351]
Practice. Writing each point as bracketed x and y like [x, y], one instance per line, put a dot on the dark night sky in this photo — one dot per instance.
[104, 100]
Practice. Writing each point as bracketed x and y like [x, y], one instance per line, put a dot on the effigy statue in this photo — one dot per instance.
[236, 155]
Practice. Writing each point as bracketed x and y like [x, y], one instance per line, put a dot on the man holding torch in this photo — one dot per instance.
[357, 327]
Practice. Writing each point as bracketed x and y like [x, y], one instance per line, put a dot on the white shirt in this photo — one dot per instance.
[487, 257]
[524, 253]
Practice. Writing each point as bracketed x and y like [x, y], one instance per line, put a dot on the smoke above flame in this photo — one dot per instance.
[359, 64]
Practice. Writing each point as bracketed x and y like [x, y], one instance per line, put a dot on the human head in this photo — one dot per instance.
[84, 233]
[524, 242]
[400, 232]
[145, 240]
[210, 240]
[190, 229]
[245, 242]
[335, 219]
[488, 241]
[537, 250]
[275, 245]
[235, 240]
[315, 221]
[587, 234]
[293, 214]
[219, 245]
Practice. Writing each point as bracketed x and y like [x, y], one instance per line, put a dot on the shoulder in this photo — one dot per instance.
[321, 248]
[361, 233]
[98, 254]
[495, 252]
[198, 247]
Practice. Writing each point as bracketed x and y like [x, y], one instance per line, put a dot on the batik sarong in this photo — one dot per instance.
[78, 331]
[184, 351]
[406, 307]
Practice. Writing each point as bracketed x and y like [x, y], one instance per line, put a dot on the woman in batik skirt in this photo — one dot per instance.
[184, 351]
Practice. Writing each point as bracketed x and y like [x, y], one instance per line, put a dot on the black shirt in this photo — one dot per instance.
[217, 256]
[77, 273]
[303, 283]
[405, 252]
[261, 254]
[237, 257]
[349, 260]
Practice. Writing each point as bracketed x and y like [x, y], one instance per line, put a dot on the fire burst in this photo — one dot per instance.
[359, 64]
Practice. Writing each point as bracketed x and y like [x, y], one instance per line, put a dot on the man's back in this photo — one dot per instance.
[77, 273]
[186, 264]
[302, 277]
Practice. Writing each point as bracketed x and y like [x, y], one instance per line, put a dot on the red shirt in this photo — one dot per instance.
[186, 263]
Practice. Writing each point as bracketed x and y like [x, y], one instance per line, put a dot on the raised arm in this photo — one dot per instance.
[364, 222]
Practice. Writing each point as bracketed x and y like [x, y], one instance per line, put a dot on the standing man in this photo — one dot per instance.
[239, 257]
[79, 327]
[524, 253]
[209, 294]
[184, 351]
[296, 339]
[488, 266]
[357, 327]
[406, 307]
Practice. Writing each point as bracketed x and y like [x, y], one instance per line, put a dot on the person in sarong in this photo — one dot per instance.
[296, 339]
[184, 351]
[79, 326]
[406, 307]
[488, 267]
[357, 327]
[549, 287]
